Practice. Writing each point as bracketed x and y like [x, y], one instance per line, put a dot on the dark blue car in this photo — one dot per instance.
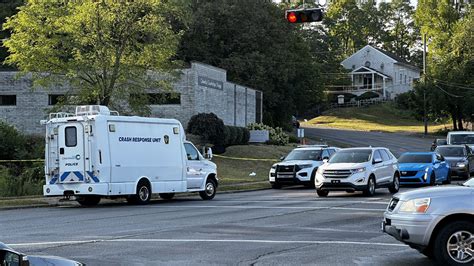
[423, 168]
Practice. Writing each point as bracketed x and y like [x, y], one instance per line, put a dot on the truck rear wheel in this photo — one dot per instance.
[166, 196]
[88, 201]
[209, 190]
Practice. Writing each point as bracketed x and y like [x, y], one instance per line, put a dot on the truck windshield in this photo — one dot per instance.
[306, 155]
[415, 158]
[451, 151]
[457, 139]
[351, 156]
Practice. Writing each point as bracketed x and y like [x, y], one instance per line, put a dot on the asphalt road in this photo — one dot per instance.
[397, 143]
[288, 226]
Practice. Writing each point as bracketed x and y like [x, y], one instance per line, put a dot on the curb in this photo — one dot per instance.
[31, 206]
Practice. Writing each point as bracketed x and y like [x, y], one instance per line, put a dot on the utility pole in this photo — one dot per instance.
[425, 119]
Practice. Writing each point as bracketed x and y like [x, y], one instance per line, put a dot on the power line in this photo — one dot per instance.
[448, 93]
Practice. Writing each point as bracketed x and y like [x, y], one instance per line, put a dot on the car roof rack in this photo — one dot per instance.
[313, 146]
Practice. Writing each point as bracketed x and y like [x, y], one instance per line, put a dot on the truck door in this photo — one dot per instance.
[194, 172]
[71, 153]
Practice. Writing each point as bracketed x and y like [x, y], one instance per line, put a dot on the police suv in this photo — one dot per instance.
[300, 166]
[96, 153]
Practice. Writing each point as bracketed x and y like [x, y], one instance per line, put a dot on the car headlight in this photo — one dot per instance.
[358, 170]
[461, 164]
[303, 166]
[425, 176]
[274, 166]
[320, 171]
[416, 205]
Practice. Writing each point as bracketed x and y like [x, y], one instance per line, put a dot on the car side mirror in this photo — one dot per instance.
[376, 161]
[325, 160]
[12, 258]
[282, 158]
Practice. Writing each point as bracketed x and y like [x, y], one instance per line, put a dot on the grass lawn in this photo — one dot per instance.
[382, 117]
[232, 172]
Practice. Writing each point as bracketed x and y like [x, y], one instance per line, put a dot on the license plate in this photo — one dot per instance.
[335, 181]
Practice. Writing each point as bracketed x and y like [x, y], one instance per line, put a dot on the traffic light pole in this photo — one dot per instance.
[425, 119]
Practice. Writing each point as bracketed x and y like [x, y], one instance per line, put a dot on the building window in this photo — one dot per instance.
[7, 100]
[400, 78]
[55, 98]
[405, 79]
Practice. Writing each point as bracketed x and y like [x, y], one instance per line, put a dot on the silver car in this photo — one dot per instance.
[438, 222]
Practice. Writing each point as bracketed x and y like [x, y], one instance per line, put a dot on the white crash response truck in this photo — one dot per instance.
[96, 153]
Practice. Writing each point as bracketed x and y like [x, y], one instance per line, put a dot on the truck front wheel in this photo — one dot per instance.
[210, 190]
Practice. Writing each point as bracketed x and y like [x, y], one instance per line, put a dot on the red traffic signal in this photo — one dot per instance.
[304, 15]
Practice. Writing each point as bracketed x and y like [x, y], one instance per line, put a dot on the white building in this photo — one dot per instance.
[372, 69]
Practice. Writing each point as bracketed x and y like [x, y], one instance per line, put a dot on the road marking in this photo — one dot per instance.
[255, 241]
[263, 207]
[309, 201]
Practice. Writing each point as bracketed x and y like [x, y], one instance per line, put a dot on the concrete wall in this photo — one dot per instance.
[203, 89]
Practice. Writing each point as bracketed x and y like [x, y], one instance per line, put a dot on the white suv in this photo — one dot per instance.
[299, 166]
[358, 169]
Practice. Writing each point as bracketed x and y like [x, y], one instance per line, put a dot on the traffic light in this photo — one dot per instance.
[304, 15]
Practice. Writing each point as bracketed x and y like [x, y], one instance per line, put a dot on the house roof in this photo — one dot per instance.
[368, 69]
[396, 58]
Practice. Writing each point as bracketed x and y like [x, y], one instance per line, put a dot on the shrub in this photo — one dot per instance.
[236, 135]
[277, 136]
[293, 139]
[13, 142]
[367, 95]
[208, 126]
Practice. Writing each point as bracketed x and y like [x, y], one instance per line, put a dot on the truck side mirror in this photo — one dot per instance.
[209, 153]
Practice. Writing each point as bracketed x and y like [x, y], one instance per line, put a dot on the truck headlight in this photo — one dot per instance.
[303, 166]
[416, 205]
[319, 171]
[274, 166]
[358, 170]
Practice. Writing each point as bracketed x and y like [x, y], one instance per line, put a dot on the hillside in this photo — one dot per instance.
[383, 118]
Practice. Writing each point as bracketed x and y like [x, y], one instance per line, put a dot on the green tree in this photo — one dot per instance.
[353, 25]
[451, 57]
[401, 33]
[7, 9]
[258, 49]
[107, 50]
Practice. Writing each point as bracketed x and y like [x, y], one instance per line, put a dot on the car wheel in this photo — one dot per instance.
[313, 178]
[448, 178]
[432, 179]
[322, 193]
[275, 185]
[210, 190]
[454, 244]
[88, 201]
[395, 186]
[166, 196]
[370, 190]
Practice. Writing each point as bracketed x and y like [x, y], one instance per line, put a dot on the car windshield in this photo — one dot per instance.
[451, 151]
[462, 139]
[311, 155]
[469, 183]
[415, 158]
[351, 156]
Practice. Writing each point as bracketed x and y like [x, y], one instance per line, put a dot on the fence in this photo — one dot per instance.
[360, 103]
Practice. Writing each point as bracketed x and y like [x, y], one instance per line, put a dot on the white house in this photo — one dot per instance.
[372, 69]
